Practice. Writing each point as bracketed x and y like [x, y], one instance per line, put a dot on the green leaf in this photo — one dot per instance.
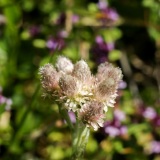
[154, 33]
[92, 7]
[112, 34]
[39, 43]
[25, 35]
[148, 3]
[118, 146]
[114, 55]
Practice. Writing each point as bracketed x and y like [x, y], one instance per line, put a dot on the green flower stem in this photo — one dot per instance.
[80, 135]
[80, 139]
[65, 115]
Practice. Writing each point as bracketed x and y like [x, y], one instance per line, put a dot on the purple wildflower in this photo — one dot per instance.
[75, 18]
[123, 130]
[112, 131]
[119, 115]
[111, 14]
[99, 40]
[155, 147]
[102, 4]
[2, 99]
[149, 113]
[114, 127]
[62, 34]
[55, 43]
[100, 50]
[106, 14]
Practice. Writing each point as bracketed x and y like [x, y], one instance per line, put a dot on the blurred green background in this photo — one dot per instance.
[125, 33]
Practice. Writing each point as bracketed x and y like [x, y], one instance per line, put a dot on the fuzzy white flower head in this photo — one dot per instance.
[87, 95]
[64, 64]
[49, 78]
[107, 70]
[81, 71]
[108, 78]
[92, 114]
[68, 85]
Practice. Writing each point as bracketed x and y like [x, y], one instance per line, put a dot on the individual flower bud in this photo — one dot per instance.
[92, 114]
[64, 64]
[105, 89]
[49, 77]
[106, 92]
[107, 70]
[81, 71]
[104, 68]
[117, 75]
[68, 85]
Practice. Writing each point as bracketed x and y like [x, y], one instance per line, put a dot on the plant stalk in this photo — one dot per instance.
[80, 138]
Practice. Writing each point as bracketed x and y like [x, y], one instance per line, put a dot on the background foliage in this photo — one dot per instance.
[34, 32]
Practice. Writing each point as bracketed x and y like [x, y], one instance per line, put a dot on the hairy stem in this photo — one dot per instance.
[80, 139]
[65, 115]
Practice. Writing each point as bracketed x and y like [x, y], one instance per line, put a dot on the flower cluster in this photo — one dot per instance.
[87, 95]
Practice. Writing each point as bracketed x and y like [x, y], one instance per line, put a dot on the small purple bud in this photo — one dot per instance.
[51, 44]
[2, 99]
[122, 85]
[113, 15]
[112, 131]
[63, 34]
[123, 130]
[149, 113]
[99, 39]
[119, 115]
[110, 46]
[102, 4]
[75, 18]
[72, 116]
[55, 43]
